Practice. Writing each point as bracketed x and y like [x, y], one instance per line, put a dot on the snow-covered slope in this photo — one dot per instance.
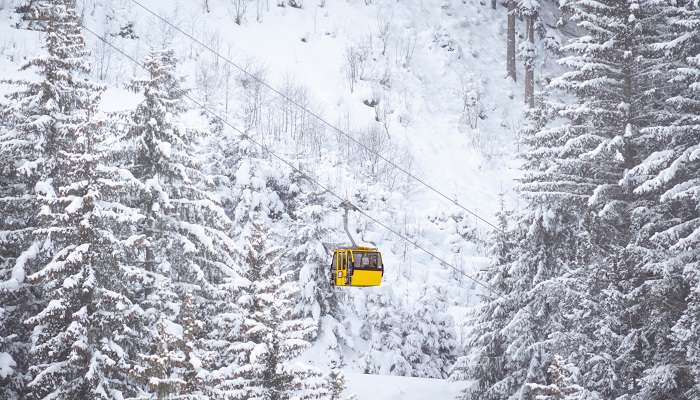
[382, 387]
[445, 111]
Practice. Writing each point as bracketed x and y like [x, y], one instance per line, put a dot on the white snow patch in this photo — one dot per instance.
[7, 365]
[173, 329]
[165, 149]
[259, 351]
[380, 387]
[18, 272]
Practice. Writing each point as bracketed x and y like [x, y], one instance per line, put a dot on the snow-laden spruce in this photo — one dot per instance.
[596, 295]
[82, 322]
[181, 245]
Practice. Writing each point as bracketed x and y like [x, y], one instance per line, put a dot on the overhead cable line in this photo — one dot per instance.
[333, 127]
[295, 168]
[318, 117]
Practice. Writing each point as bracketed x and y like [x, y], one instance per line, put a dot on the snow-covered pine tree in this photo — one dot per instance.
[560, 385]
[276, 336]
[579, 215]
[336, 384]
[68, 271]
[168, 365]
[309, 261]
[255, 191]
[681, 191]
[484, 364]
[384, 329]
[182, 247]
[17, 300]
[524, 320]
[620, 283]
[668, 222]
[22, 156]
[429, 342]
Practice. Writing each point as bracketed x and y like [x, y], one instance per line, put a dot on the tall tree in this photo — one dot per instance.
[309, 260]
[669, 219]
[68, 272]
[510, 41]
[180, 242]
[484, 364]
[529, 9]
[276, 336]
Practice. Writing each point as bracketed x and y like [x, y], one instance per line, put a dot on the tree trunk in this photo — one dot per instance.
[530, 61]
[511, 40]
[493, 4]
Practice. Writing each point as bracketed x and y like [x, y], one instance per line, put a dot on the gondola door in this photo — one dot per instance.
[341, 268]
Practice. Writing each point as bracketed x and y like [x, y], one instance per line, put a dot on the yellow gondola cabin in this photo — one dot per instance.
[357, 266]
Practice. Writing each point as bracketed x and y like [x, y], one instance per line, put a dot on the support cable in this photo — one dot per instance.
[245, 136]
[318, 117]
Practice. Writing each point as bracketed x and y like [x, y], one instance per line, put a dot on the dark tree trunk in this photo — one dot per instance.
[511, 40]
[529, 62]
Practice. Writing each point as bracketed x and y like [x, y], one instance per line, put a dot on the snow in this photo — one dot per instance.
[259, 351]
[45, 188]
[18, 271]
[76, 204]
[383, 387]
[7, 365]
[165, 148]
[425, 103]
[173, 329]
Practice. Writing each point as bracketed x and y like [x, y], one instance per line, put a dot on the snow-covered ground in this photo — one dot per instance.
[383, 387]
[450, 115]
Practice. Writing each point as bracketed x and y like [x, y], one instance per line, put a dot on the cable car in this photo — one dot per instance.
[357, 266]
[354, 265]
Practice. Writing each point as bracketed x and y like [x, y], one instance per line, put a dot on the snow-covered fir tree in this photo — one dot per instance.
[310, 260]
[484, 364]
[336, 384]
[82, 322]
[23, 152]
[181, 247]
[668, 220]
[430, 343]
[408, 339]
[275, 334]
[575, 280]
[382, 329]
[619, 283]
[560, 383]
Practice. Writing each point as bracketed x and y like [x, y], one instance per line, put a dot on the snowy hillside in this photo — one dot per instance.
[369, 387]
[419, 82]
[446, 113]
[173, 172]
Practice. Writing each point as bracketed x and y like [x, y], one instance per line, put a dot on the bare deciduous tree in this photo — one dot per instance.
[239, 10]
[384, 25]
[253, 94]
[405, 49]
[355, 63]
[375, 145]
